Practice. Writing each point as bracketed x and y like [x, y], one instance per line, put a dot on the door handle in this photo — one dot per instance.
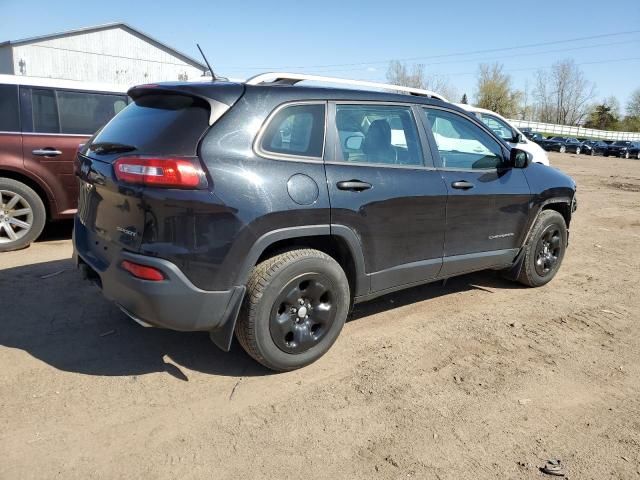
[47, 152]
[353, 185]
[462, 185]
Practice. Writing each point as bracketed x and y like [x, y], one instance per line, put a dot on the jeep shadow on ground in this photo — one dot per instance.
[61, 230]
[64, 321]
[486, 280]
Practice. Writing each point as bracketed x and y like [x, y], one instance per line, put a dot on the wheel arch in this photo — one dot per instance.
[337, 241]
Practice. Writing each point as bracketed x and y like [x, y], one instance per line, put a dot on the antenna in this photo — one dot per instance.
[213, 76]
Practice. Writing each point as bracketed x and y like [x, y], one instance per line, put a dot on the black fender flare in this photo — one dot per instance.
[291, 233]
[539, 208]
[514, 272]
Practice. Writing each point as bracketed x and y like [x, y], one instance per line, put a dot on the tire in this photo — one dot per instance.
[626, 155]
[19, 230]
[272, 326]
[593, 152]
[638, 156]
[578, 150]
[562, 149]
[539, 265]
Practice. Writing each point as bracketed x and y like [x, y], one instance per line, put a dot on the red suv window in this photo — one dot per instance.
[9, 117]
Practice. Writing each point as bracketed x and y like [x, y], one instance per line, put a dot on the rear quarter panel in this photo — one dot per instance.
[208, 235]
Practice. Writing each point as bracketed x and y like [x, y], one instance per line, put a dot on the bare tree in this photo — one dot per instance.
[415, 76]
[633, 105]
[495, 91]
[563, 94]
[399, 73]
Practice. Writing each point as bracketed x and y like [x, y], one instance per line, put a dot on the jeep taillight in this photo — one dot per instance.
[167, 172]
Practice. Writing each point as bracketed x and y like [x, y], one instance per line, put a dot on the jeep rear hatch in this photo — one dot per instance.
[149, 147]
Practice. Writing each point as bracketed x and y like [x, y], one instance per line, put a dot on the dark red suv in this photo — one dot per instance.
[42, 123]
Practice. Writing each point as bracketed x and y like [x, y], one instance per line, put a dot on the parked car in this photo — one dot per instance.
[536, 137]
[510, 134]
[42, 124]
[562, 144]
[526, 131]
[626, 149]
[242, 207]
[595, 147]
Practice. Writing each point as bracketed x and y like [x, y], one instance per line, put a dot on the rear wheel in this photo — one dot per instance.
[295, 307]
[544, 250]
[626, 154]
[638, 156]
[577, 150]
[593, 152]
[22, 215]
[563, 149]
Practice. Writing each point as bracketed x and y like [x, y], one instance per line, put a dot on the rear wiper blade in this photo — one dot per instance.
[109, 147]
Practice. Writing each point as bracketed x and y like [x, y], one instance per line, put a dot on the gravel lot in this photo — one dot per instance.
[480, 378]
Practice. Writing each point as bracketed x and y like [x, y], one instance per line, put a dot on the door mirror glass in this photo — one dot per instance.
[518, 138]
[520, 158]
[354, 142]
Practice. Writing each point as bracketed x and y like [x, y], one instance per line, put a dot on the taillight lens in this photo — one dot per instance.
[142, 271]
[161, 172]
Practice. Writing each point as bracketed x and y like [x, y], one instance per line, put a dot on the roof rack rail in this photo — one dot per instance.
[283, 78]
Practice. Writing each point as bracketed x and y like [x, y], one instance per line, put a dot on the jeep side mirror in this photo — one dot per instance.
[520, 158]
[518, 138]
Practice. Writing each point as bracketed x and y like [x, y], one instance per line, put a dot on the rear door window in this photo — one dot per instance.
[159, 124]
[85, 113]
[9, 115]
[378, 134]
[296, 130]
[45, 111]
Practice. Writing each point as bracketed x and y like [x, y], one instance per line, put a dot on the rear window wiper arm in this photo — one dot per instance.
[110, 147]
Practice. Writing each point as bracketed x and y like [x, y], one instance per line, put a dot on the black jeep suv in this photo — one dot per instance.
[269, 209]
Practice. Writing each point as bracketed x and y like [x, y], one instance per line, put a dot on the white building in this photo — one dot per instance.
[114, 53]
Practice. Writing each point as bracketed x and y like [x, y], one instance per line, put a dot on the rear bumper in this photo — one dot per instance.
[173, 303]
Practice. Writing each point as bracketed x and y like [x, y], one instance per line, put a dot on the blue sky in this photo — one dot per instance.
[357, 39]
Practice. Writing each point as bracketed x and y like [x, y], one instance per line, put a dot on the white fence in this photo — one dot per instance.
[568, 131]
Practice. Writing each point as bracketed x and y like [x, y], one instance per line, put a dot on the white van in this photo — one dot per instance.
[514, 137]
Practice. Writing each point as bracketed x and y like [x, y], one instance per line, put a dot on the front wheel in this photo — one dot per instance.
[22, 215]
[563, 149]
[593, 152]
[294, 309]
[626, 155]
[578, 151]
[544, 250]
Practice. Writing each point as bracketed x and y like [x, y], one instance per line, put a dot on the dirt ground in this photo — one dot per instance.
[477, 379]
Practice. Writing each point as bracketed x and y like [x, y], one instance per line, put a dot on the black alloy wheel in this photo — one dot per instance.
[303, 313]
[544, 249]
[295, 307]
[548, 250]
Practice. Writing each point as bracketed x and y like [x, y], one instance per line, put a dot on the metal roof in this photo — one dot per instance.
[107, 26]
